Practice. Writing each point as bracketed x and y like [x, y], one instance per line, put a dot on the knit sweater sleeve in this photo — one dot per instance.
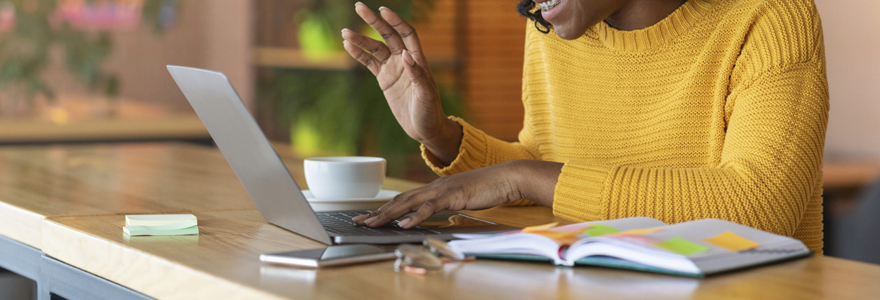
[770, 164]
[477, 150]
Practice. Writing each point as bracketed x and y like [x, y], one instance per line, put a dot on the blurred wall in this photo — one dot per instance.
[852, 45]
[216, 35]
[493, 63]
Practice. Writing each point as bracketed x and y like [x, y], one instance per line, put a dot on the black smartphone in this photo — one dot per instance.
[331, 256]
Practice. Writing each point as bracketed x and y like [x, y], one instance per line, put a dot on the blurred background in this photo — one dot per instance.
[79, 71]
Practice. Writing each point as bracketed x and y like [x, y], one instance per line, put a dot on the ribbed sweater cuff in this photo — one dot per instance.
[581, 192]
[472, 152]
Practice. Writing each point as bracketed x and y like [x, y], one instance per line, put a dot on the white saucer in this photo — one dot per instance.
[350, 203]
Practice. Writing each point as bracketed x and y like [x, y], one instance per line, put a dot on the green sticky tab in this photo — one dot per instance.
[599, 229]
[682, 246]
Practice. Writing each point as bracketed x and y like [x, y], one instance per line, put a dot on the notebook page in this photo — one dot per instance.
[702, 241]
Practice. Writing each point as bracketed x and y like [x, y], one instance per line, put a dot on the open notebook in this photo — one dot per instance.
[695, 248]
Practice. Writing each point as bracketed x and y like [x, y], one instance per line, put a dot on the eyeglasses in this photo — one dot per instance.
[417, 259]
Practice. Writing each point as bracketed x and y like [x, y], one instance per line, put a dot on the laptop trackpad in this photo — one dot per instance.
[450, 220]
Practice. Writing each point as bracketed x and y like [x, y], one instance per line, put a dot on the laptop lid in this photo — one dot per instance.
[257, 165]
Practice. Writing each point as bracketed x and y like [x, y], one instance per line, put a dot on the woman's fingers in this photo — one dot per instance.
[376, 48]
[392, 38]
[360, 220]
[363, 57]
[406, 32]
[427, 209]
[400, 206]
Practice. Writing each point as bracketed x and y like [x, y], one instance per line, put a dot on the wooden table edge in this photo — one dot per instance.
[21, 224]
[58, 239]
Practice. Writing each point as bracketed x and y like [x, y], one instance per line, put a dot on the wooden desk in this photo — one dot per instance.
[222, 263]
[37, 182]
[69, 201]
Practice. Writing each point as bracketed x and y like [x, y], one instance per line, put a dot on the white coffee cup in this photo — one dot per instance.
[345, 177]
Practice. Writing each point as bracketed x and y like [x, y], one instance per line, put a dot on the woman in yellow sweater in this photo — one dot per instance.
[661, 108]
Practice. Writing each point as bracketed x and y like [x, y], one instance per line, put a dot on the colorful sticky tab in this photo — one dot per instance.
[578, 227]
[642, 231]
[635, 239]
[561, 238]
[731, 241]
[682, 246]
[599, 229]
[539, 227]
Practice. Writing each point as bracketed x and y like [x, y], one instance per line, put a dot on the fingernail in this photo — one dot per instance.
[382, 7]
[356, 3]
[371, 220]
[409, 60]
[404, 222]
[358, 218]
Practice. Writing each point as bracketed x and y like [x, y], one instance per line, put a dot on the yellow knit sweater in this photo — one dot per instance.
[717, 111]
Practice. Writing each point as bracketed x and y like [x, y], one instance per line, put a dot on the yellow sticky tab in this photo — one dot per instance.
[642, 231]
[540, 227]
[731, 241]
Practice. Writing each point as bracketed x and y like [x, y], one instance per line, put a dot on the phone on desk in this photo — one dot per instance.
[338, 255]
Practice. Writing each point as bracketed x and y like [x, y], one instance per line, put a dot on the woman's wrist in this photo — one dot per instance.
[536, 180]
[445, 145]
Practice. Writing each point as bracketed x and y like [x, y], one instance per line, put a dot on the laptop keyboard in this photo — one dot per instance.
[340, 223]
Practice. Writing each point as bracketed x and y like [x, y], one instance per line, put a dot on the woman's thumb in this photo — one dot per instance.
[416, 72]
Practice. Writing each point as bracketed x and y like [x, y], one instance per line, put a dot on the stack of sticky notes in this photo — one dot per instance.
[182, 224]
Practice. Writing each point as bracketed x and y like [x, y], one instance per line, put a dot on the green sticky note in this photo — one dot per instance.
[146, 230]
[682, 246]
[158, 220]
[181, 228]
[599, 229]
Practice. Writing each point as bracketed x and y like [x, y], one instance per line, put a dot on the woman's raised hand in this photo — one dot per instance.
[406, 80]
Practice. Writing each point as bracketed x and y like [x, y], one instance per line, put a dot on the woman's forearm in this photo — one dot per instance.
[536, 180]
[445, 145]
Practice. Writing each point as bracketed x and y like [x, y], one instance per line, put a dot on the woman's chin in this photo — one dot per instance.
[565, 32]
[570, 30]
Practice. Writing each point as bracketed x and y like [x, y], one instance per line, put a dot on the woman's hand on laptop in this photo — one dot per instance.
[477, 189]
[403, 73]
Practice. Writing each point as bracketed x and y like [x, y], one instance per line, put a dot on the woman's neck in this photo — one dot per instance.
[639, 14]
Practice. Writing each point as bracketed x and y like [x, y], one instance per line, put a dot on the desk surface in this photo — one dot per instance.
[37, 182]
[222, 263]
[70, 201]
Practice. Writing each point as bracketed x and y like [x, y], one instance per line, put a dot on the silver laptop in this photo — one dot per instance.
[269, 184]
